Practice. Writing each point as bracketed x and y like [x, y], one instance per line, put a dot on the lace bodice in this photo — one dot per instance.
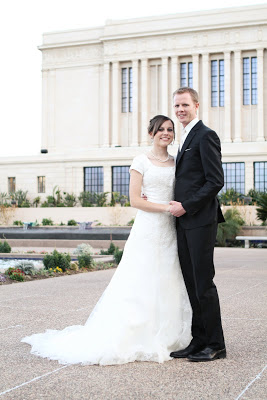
[158, 182]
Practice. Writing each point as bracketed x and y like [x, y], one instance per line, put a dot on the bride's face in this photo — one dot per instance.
[165, 135]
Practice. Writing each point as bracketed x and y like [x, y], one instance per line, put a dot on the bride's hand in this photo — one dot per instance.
[168, 208]
[176, 209]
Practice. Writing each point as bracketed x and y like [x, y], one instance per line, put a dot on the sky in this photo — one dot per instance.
[22, 24]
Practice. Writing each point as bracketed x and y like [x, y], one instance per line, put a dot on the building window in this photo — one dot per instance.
[93, 179]
[234, 176]
[186, 74]
[250, 86]
[11, 185]
[41, 184]
[127, 89]
[120, 180]
[260, 176]
[217, 83]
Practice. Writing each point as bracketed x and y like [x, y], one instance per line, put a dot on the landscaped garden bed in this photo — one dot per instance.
[58, 264]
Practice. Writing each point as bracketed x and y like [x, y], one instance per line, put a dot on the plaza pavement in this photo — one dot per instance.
[31, 307]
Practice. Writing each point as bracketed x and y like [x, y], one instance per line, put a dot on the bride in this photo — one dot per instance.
[144, 313]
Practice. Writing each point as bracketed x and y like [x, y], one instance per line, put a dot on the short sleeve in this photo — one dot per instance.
[138, 165]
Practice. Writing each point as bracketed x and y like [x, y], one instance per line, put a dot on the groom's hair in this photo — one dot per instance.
[156, 122]
[185, 89]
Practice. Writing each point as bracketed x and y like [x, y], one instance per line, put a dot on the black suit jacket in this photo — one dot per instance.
[199, 177]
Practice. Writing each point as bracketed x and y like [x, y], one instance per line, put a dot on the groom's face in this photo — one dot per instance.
[185, 108]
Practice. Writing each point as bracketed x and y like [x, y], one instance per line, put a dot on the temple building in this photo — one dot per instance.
[102, 85]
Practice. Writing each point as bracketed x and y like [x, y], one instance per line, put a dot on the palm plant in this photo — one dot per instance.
[262, 208]
[230, 228]
[229, 197]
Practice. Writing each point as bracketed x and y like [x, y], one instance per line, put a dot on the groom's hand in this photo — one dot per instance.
[177, 210]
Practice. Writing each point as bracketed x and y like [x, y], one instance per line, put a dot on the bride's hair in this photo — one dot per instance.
[156, 122]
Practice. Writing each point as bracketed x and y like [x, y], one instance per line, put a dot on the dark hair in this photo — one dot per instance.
[193, 93]
[156, 122]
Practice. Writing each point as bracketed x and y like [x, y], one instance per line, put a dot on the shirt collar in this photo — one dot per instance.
[189, 126]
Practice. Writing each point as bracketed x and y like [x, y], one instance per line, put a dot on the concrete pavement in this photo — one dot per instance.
[32, 307]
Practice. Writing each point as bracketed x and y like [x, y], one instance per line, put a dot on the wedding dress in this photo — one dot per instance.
[144, 313]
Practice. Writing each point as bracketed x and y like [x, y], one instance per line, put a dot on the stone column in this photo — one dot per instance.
[115, 104]
[45, 102]
[107, 170]
[196, 72]
[237, 97]
[51, 110]
[135, 113]
[164, 86]
[260, 105]
[205, 103]
[227, 97]
[144, 101]
[249, 175]
[175, 84]
[106, 105]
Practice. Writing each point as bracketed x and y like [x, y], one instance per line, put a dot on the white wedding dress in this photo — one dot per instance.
[144, 313]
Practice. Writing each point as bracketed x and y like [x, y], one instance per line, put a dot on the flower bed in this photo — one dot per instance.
[15, 275]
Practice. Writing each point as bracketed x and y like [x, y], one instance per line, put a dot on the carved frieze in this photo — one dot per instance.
[66, 56]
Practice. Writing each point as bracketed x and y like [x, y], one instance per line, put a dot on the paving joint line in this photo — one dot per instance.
[33, 380]
[10, 327]
[243, 291]
[251, 383]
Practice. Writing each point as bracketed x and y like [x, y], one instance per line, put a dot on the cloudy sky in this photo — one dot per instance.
[22, 24]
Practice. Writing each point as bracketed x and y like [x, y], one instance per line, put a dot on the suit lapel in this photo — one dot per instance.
[190, 136]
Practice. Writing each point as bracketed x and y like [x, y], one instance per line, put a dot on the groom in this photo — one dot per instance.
[199, 177]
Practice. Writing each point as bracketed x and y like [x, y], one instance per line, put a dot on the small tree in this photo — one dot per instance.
[5, 247]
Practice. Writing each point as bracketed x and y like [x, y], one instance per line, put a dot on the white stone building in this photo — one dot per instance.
[102, 85]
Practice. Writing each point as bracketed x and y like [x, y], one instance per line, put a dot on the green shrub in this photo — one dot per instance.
[70, 199]
[83, 248]
[230, 228]
[262, 208]
[72, 222]
[85, 261]
[56, 259]
[91, 199]
[54, 200]
[110, 250]
[4, 247]
[18, 223]
[131, 222]
[254, 194]
[101, 199]
[229, 197]
[21, 198]
[118, 255]
[47, 222]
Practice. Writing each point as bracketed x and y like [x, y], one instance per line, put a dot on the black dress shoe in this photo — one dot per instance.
[191, 349]
[207, 354]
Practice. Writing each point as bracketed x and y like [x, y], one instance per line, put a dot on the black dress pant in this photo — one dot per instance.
[196, 248]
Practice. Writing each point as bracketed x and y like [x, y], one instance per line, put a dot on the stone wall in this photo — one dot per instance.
[104, 215]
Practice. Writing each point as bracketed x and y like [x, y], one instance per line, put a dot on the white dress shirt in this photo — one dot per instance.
[186, 130]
